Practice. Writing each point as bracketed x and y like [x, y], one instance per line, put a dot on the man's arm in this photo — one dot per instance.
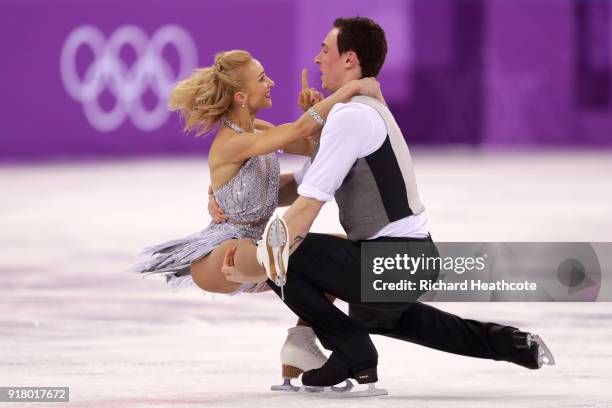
[287, 190]
[341, 143]
[299, 218]
[344, 136]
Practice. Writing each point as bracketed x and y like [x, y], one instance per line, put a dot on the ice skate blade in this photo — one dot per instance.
[340, 392]
[348, 385]
[285, 386]
[545, 356]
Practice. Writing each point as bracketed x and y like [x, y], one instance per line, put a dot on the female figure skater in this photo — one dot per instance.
[243, 166]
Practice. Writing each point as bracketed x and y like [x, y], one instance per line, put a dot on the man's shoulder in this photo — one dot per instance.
[351, 107]
[354, 112]
[356, 124]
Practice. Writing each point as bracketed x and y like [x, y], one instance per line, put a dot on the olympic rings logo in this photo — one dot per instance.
[127, 84]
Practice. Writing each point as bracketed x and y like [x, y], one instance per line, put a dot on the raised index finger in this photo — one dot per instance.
[305, 79]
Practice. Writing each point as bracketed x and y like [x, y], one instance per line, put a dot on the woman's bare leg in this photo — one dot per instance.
[206, 272]
[246, 260]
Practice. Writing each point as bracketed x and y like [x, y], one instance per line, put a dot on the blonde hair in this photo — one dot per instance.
[203, 98]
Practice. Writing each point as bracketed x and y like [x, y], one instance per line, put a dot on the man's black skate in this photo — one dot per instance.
[320, 381]
[329, 374]
[532, 351]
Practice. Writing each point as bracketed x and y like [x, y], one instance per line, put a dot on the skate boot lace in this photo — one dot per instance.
[314, 349]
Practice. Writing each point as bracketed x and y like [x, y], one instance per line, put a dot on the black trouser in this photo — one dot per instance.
[328, 264]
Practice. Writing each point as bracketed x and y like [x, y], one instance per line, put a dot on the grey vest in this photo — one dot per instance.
[380, 188]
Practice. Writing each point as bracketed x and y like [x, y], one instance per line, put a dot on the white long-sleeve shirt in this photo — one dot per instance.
[353, 130]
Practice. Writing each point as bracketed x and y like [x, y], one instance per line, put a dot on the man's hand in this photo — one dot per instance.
[308, 96]
[216, 212]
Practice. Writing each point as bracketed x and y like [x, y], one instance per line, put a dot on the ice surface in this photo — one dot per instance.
[70, 315]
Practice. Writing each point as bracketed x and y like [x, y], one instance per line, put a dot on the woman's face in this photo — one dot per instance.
[258, 86]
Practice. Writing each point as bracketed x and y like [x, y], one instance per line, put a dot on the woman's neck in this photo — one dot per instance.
[243, 118]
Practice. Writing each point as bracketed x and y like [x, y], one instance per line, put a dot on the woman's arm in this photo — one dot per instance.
[302, 147]
[262, 124]
[238, 149]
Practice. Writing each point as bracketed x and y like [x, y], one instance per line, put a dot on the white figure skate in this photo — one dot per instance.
[273, 252]
[300, 353]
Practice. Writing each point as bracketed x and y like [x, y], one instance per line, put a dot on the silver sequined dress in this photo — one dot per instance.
[248, 199]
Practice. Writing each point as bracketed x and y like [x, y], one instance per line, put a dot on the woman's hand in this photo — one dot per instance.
[308, 96]
[229, 267]
[368, 86]
[216, 213]
[233, 274]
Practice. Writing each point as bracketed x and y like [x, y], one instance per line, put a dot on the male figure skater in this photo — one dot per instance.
[363, 161]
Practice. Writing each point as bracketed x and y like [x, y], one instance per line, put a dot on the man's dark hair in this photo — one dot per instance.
[366, 39]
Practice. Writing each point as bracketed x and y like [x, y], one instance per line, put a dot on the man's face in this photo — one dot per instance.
[331, 63]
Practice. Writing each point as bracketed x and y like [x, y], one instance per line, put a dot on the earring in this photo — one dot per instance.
[242, 106]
